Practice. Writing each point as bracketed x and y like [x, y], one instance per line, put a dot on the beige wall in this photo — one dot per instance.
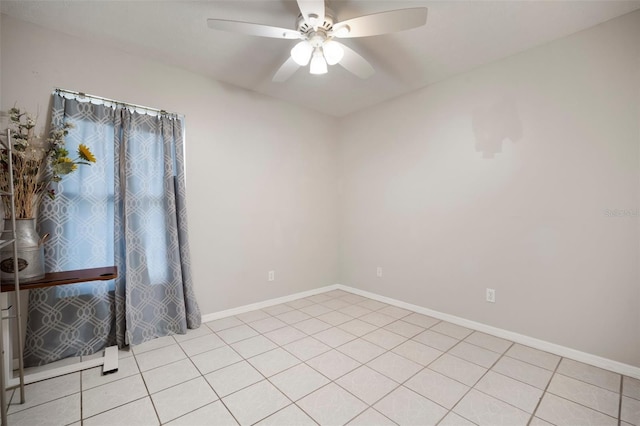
[261, 191]
[422, 197]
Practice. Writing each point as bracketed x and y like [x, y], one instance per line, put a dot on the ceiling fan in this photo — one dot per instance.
[317, 30]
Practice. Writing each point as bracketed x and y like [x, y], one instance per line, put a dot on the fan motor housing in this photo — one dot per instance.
[326, 24]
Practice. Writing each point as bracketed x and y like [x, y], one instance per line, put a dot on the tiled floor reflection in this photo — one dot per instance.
[333, 359]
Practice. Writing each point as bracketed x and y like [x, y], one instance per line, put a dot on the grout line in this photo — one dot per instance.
[582, 405]
[589, 383]
[579, 403]
[503, 355]
[221, 401]
[153, 404]
[534, 365]
[498, 399]
[535, 410]
[477, 381]
[293, 404]
[41, 403]
[206, 381]
[274, 386]
[324, 386]
[152, 369]
[118, 406]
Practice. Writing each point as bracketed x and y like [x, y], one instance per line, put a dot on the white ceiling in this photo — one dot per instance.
[459, 36]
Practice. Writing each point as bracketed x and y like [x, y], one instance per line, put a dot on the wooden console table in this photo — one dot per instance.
[52, 279]
[109, 361]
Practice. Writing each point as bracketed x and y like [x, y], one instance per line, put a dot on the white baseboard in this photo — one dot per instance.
[266, 303]
[587, 358]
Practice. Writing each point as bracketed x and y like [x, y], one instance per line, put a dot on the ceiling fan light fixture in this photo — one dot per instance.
[318, 63]
[333, 52]
[316, 31]
[301, 53]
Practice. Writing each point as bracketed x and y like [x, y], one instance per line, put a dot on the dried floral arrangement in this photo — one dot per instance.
[37, 163]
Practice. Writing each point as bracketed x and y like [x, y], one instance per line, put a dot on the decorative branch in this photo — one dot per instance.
[36, 164]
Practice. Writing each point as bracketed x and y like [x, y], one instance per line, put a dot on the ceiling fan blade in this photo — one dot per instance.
[286, 70]
[252, 29]
[382, 23]
[312, 11]
[354, 63]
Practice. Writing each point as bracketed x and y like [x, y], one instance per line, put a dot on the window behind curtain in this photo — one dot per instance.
[81, 219]
[84, 207]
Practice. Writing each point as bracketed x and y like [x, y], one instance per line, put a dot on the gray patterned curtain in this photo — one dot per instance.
[128, 209]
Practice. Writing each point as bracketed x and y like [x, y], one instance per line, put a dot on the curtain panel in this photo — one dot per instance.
[127, 209]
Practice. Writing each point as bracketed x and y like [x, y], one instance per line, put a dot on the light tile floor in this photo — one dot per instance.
[333, 359]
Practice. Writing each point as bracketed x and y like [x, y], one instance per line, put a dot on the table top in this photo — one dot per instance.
[52, 279]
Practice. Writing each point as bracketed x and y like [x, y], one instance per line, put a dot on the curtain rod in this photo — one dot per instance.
[82, 95]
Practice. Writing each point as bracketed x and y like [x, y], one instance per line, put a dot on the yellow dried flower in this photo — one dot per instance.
[85, 153]
[69, 163]
[64, 166]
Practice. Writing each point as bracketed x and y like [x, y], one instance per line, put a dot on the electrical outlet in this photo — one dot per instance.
[491, 295]
[272, 276]
[379, 272]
